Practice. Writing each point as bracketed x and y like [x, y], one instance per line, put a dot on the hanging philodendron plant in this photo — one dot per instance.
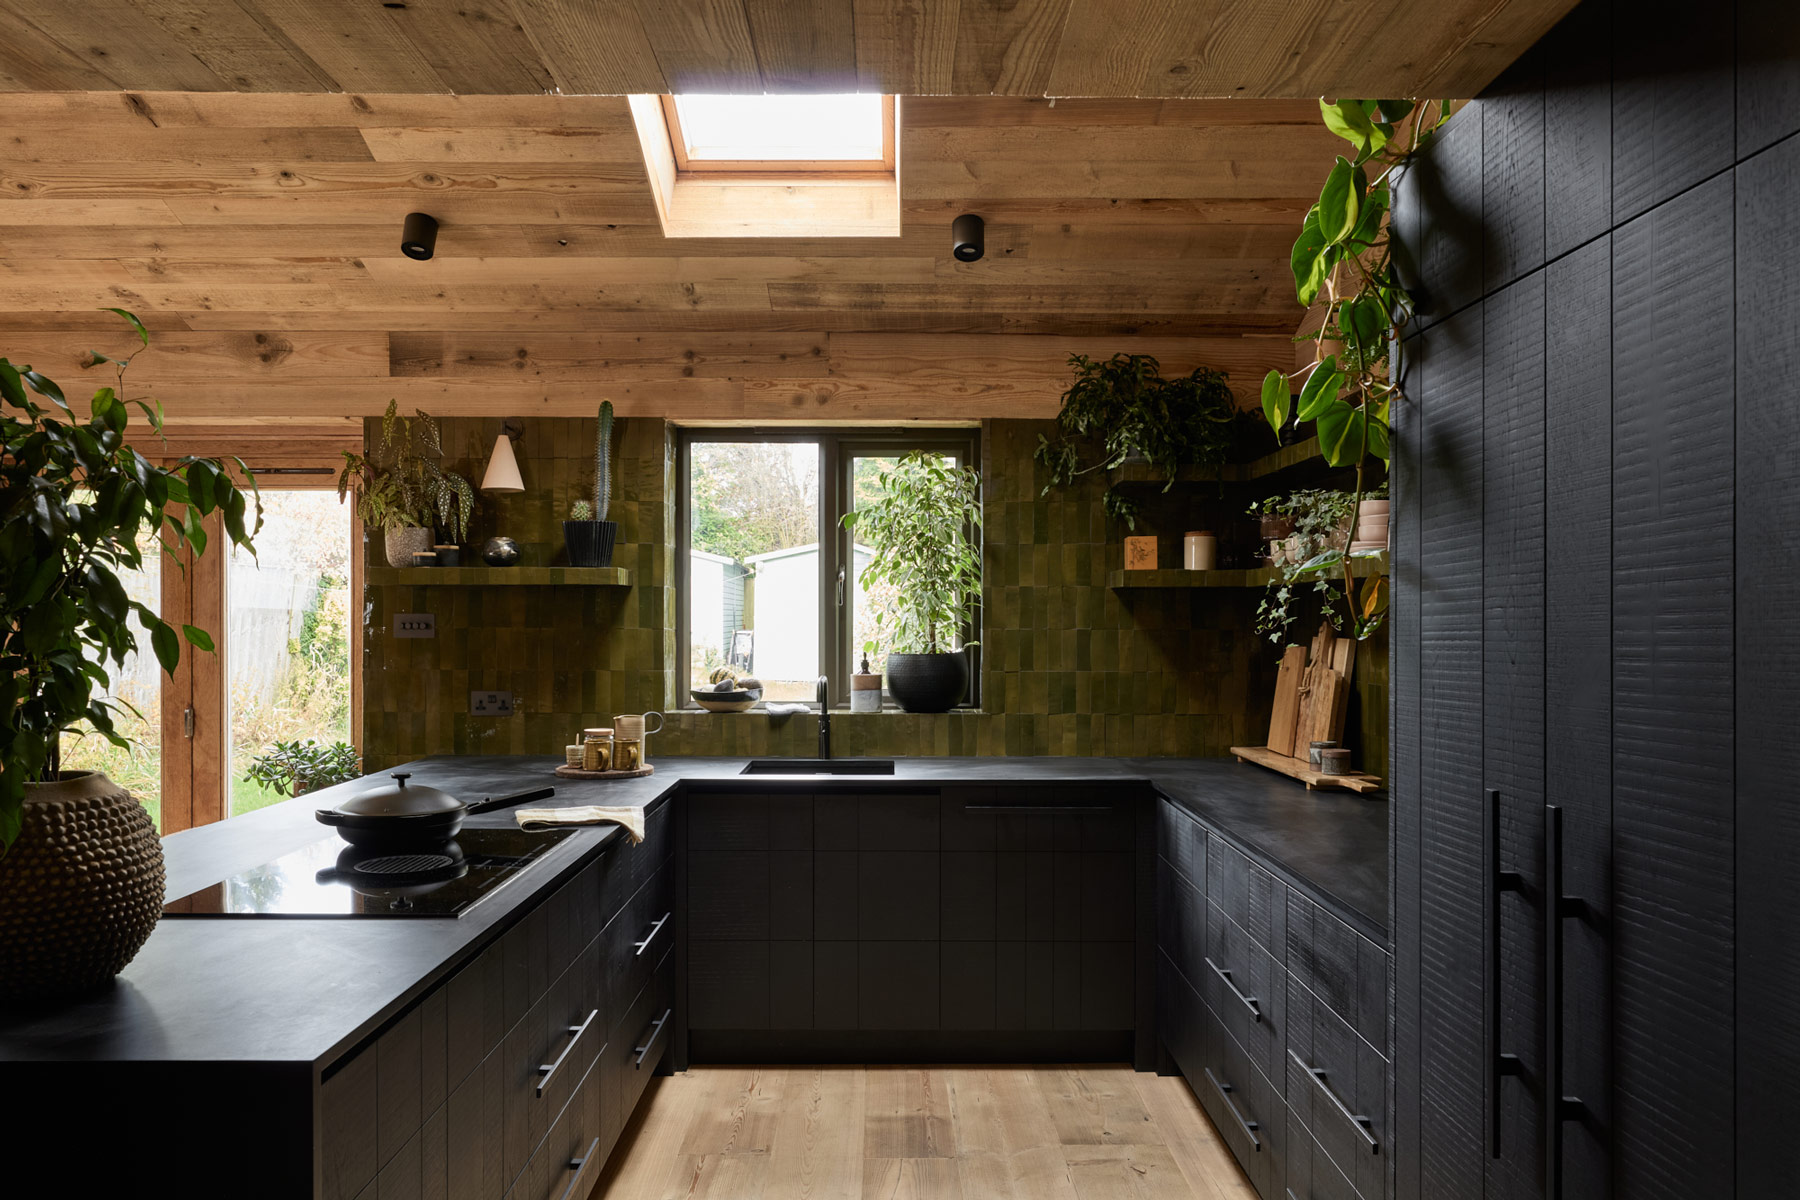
[1344, 259]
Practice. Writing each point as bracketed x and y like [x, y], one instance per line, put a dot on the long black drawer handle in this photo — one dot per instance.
[1500, 881]
[651, 936]
[1557, 909]
[1034, 809]
[656, 1028]
[580, 1167]
[1248, 1002]
[547, 1071]
[1225, 1090]
[1360, 1123]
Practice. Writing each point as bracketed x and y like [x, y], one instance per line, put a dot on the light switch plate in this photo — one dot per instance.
[491, 704]
[415, 625]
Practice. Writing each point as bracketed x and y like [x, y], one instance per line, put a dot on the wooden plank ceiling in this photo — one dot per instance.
[1092, 48]
[258, 236]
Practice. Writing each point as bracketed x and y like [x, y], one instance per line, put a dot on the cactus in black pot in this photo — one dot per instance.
[588, 535]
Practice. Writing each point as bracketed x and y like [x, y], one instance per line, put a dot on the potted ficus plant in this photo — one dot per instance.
[81, 867]
[403, 489]
[923, 532]
[1121, 410]
[587, 534]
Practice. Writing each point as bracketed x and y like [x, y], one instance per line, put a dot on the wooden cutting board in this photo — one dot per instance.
[1282, 722]
[1322, 709]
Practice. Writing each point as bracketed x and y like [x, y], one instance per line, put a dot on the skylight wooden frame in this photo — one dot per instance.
[766, 169]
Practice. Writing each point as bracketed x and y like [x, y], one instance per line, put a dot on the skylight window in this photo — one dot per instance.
[836, 134]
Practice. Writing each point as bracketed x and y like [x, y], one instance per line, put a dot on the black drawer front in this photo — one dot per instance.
[568, 1161]
[636, 941]
[1247, 989]
[1344, 970]
[1246, 893]
[576, 1021]
[639, 1042]
[629, 866]
[1311, 1175]
[1337, 1089]
[1244, 1106]
[1181, 922]
[1182, 841]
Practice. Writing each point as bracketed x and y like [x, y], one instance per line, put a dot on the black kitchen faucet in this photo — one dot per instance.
[824, 720]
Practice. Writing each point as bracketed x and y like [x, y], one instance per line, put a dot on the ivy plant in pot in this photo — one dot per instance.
[403, 489]
[923, 531]
[1121, 410]
[81, 866]
[587, 534]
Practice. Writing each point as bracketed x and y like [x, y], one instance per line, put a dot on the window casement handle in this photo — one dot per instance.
[840, 587]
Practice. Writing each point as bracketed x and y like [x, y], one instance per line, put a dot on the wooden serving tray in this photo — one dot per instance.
[1299, 768]
[567, 772]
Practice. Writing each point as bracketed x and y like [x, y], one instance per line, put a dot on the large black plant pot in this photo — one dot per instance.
[590, 543]
[927, 683]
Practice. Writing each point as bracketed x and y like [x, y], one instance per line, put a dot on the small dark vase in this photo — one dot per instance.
[500, 552]
[927, 683]
[590, 543]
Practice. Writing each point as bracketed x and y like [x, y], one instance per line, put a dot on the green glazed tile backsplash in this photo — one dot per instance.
[1069, 666]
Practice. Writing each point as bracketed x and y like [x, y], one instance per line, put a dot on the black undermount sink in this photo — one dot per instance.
[819, 766]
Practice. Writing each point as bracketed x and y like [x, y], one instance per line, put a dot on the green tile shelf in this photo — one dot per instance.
[498, 577]
[1362, 568]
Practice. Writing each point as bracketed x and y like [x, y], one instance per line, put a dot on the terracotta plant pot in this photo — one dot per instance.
[80, 890]
[402, 544]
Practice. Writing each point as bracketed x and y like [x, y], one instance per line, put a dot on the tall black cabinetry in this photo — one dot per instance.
[1593, 656]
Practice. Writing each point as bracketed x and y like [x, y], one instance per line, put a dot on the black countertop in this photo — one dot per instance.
[304, 991]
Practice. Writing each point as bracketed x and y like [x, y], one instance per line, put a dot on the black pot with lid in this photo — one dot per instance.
[396, 814]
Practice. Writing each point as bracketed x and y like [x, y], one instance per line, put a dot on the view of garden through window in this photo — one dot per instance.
[287, 649]
[754, 563]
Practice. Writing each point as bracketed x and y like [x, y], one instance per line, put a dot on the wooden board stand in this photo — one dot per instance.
[1312, 698]
[568, 772]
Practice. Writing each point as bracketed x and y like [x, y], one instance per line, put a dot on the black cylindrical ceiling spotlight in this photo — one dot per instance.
[966, 240]
[419, 238]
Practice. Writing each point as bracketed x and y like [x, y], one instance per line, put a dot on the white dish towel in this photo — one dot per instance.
[628, 817]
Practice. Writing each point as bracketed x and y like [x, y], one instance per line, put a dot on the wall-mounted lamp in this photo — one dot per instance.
[502, 475]
[419, 238]
[967, 240]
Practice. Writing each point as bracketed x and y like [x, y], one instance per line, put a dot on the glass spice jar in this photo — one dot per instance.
[597, 749]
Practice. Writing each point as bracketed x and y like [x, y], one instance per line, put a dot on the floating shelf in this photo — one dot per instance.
[1361, 568]
[497, 577]
[1288, 458]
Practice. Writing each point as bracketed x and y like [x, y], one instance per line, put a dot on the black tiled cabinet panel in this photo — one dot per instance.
[1246, 1017]
[961, 910]
[448, 1101]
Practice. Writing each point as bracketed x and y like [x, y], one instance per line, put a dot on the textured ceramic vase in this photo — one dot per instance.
[590, 543]
[80, 890]
[402, 544]
[927, 683]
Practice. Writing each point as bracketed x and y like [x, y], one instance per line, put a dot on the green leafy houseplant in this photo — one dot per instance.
[402, 483]
[76, 504]
[1344, 257]
[296, 767]
[1126, 405]
[923, 531]
[1322, 519]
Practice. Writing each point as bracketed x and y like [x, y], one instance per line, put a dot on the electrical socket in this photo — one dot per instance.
[491, 704]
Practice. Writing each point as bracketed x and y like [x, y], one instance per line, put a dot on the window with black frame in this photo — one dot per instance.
[771, 582]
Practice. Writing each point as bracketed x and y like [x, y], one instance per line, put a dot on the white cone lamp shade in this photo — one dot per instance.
[502, 469]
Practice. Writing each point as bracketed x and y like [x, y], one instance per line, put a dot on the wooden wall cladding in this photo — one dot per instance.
[1598, 576]
[914, 47]
[258, 237]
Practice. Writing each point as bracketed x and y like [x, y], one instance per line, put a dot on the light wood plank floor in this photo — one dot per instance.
[921, 1133]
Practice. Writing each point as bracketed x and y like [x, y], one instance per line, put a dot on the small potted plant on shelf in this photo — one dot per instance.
[587, 534]
[403, 489]
[1316, 547]
[81, 866]
[923, 531]
[1134, 415]
[295, 768]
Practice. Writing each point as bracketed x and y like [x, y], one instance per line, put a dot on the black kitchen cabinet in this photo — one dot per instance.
[967, 920]
[512, 1079]
[1588, 826]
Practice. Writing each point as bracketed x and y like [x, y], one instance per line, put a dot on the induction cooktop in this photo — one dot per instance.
[330, 878]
